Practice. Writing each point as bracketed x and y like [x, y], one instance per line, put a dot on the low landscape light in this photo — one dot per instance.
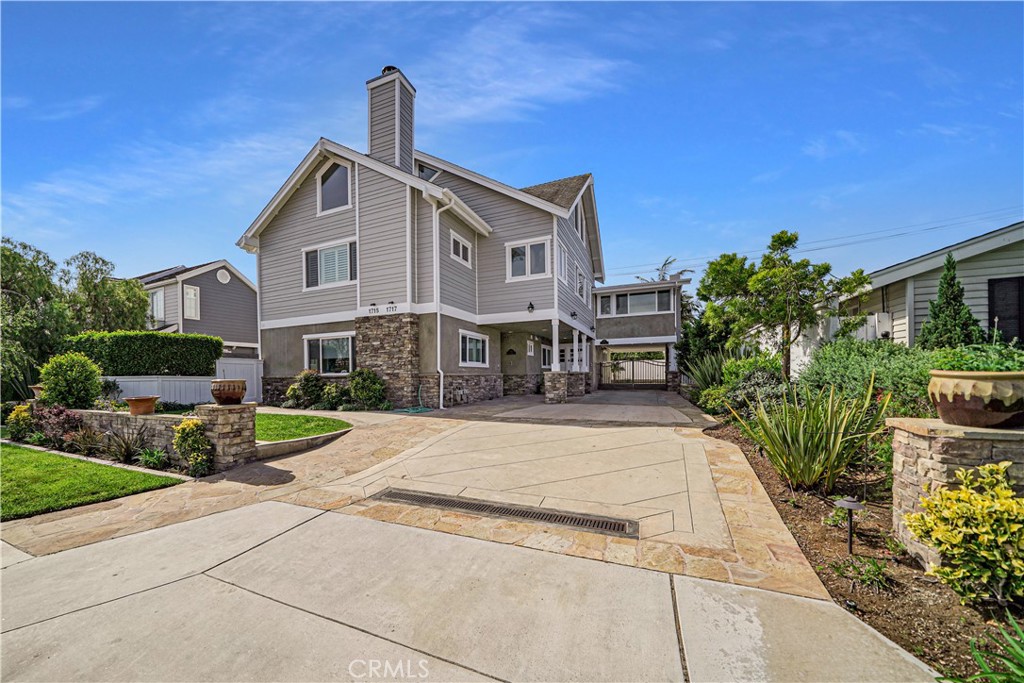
[849, 504]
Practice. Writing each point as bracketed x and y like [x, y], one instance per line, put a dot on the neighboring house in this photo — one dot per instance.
[211, 298]
[637, 318]
[990, 267]
[452, 286]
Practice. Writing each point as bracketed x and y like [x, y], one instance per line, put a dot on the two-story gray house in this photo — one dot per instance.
[453, 286]
[212, 298]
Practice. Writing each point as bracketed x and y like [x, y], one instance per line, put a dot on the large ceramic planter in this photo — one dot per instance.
[141, 405]
[228, 392]
[978, 399]
[37, 391]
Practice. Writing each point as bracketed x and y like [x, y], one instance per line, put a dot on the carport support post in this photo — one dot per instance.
[556, 366]
[575, 350]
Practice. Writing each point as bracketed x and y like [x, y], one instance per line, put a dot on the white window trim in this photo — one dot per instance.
[551, 354]
[464, 242]
[184, 299]
[428, 167]
[157, 294]
[531, 350]
[319, 198]
[487, 349]
[563, 263]
[529, 260]
[328, 335]
[576, 285]
[580, 229]
[330, 285]
[671, 306]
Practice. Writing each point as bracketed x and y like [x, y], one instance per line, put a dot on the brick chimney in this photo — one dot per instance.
[391, 100]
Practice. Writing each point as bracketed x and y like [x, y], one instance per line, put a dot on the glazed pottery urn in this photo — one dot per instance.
[141, 405]
[228, 392]
[37, 390]
[978, 399]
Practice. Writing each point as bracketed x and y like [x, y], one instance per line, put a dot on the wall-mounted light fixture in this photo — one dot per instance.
[510, 352]
[573, 315]
[529, 308]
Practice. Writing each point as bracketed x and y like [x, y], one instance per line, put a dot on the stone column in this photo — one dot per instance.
[232, 430]
[556, 386]
[930, 452]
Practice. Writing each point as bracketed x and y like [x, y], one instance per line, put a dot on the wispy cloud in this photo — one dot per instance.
[52, 111]
[769, 176]
[966, 132]
[828, 199]
[834, 144]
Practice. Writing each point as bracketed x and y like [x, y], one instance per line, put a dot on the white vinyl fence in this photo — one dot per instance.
[195, 389]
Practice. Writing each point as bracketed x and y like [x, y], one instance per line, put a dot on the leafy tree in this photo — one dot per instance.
[752, 300]
[665, 272]
[98, 300]
[697, 338]
[950, 322]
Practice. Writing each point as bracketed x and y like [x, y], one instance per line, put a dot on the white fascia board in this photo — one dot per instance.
[934, 260]
[468, 216]
[599, 253]
[492, 184]
[638, 287]
[223, 263]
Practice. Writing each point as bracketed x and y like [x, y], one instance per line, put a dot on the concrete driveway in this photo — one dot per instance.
[278, 592]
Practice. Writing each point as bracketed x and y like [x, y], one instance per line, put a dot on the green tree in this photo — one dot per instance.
[752, 300]
[950, 322]
[98, 300]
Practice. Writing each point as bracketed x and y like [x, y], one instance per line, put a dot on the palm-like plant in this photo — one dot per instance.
[1004, 664]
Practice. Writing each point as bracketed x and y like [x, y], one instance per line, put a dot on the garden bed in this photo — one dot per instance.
[920, 614]
[36, 481]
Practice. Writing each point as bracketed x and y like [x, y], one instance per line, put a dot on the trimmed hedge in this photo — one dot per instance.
[150, 353]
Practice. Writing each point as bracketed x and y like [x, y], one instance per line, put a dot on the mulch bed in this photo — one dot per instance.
[916, 611]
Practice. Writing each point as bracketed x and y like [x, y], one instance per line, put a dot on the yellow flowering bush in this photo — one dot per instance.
[978, 529]
[191, 443]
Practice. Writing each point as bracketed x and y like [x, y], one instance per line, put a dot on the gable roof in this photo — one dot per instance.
[326, 149]
[562, 192]
[167, 273]
[178, 273]
[966, 249]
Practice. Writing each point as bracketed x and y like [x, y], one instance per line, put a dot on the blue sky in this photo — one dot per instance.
[154, 133]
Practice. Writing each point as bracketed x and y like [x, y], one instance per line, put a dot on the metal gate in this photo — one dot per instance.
[631, 374]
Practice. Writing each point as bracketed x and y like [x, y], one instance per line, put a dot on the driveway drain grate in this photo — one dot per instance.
[605, 525]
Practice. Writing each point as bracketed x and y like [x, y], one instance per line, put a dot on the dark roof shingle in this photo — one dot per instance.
[167, 273]
[561, 192]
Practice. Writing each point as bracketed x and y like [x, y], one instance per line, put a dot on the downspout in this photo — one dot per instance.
[437, 296]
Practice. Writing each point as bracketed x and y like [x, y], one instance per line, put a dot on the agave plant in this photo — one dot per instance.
[811, 438]
[706, 370]
[1005, 664]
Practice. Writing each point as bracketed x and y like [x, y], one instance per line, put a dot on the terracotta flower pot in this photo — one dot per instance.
[978, 399]
[37, 390]
[141, 405]
[228, 392]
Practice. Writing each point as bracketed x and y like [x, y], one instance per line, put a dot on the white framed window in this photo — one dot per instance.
[426, 172]
[529, 348]
[329, 265]
[527, 260]
[581, 223]
[473, 349]
[581, 284]
[461, 250]
[333, 188]
[636, 303]
[563, 263]
[545, 356]
[330, 354]
[156, 304]
[190, 309]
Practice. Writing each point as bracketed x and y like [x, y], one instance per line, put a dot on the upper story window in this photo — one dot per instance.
[581, 284]
[563, 263]
[461, 250]
[525, 260]
[333, 188]
[330, 354]
[330, 266]
[473, 349]
[426, 172]
[637, 303]
[156, 304]
[191, 306]
[581, 222]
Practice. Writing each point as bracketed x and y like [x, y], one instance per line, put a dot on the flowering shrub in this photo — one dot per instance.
[20, 423]
[55, 423]
[192, 444]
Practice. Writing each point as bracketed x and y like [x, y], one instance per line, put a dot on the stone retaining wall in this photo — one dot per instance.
[459, 389]
[518, 385]
[231, 429]
[576, 384]
[930, 452]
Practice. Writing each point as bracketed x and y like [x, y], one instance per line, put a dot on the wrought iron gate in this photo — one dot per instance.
[631, 374]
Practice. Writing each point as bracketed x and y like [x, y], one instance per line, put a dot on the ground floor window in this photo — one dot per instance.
[473, 349]
[330, 355]
[545, 356]
[1006, 306]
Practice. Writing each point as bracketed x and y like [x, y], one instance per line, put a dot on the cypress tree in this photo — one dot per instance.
[950, 321]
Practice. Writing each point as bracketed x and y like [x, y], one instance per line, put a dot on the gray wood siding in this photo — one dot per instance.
[382, 123]
[406, 130]
[458, 283]
[512, 221]
[424, 246]
[974, 273]
[382, 238]
[578, 255]
[227, 310]
[171, 303]
[280, 274]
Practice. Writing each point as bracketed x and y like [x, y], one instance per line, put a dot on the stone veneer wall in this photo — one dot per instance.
[930, 452]
[576, 384]
[518, 385]
[390, 346]
[556, 386]
[672, 381]
[231, 429]
[459, 389]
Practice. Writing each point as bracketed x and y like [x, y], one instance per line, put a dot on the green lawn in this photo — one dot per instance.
[275, 427]
[33, 482]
